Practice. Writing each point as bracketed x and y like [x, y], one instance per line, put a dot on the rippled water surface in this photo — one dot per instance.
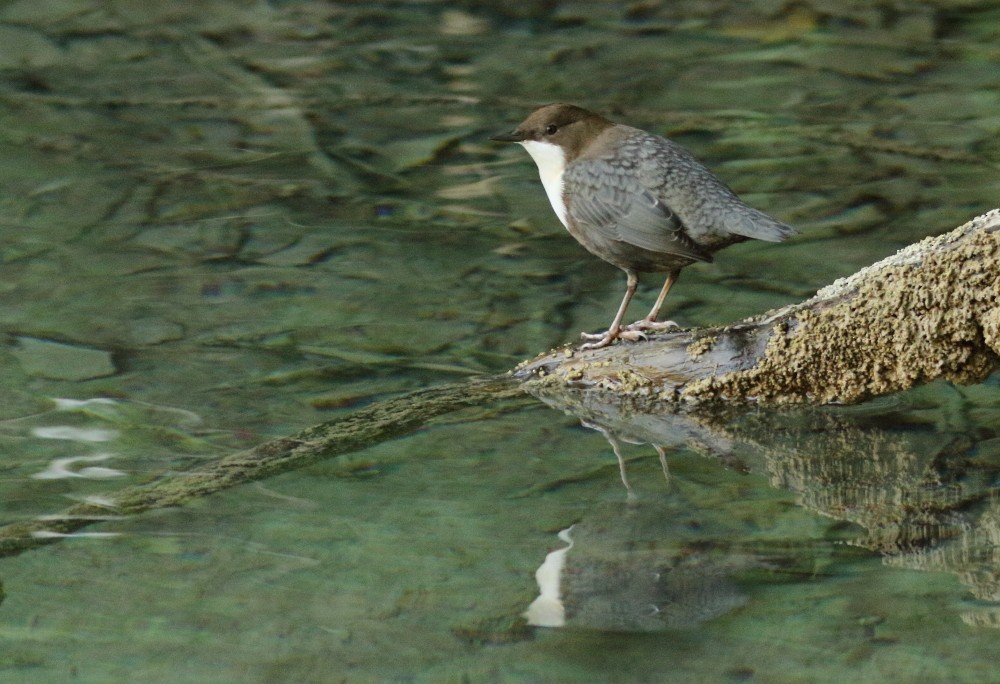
[223, 222]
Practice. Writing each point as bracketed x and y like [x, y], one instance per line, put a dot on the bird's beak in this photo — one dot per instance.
[513, 136]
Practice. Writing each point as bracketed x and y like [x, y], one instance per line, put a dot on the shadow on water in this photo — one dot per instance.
[910, 478]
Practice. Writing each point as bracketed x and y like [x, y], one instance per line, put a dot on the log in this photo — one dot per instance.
[930, 311]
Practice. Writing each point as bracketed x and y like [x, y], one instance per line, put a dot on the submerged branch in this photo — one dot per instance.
[364, 428]
[931, 311]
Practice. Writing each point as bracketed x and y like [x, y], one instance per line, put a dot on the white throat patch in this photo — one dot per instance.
[551, 162]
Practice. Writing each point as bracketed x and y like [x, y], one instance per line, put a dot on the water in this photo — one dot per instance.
[226, 223]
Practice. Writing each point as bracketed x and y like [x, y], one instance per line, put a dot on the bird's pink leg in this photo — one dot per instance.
[650, 322]
[615, 331]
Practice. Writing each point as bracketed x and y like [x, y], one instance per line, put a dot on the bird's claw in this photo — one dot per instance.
[646, 325]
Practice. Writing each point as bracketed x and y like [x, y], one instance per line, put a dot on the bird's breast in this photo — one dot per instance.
[551, 162]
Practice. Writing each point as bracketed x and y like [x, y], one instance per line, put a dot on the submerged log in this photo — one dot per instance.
[930, 311]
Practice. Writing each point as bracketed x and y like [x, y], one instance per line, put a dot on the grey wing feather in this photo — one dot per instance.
[612, 202]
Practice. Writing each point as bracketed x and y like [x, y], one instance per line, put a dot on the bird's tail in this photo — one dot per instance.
[757, 225]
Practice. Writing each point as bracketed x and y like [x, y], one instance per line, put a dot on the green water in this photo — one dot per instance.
[233, 220]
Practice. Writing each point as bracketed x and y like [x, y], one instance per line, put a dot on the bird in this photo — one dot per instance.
[637, 200]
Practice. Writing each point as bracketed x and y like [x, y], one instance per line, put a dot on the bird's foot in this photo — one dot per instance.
[600, 340]
[646, 325]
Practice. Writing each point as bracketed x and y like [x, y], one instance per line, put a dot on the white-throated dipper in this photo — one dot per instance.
[636, 200]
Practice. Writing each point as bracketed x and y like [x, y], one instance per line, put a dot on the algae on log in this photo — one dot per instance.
[930, 311]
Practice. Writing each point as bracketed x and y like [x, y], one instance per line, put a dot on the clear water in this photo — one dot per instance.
[230, 221]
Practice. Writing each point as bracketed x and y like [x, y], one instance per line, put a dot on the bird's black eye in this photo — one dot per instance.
[551, 129]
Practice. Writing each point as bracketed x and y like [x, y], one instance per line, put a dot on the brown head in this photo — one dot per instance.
[570, 127]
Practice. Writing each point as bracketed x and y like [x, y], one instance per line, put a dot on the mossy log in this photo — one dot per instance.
[930, 311]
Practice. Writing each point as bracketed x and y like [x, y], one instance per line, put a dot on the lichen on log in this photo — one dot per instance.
[930, 311]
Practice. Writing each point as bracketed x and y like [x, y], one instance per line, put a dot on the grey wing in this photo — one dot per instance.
[610, 201]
